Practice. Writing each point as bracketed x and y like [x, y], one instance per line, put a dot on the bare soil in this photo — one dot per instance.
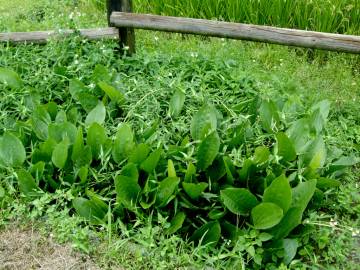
[22, 249]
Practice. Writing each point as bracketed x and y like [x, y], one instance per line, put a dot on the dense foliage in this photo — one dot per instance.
[234, 165]
[337, 16]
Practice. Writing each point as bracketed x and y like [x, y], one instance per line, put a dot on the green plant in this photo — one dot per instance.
[221, 179]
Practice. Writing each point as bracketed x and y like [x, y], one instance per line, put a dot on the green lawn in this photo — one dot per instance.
[221, 72]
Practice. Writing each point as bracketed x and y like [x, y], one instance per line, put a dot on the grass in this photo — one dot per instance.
[337, 16]
[199, 66]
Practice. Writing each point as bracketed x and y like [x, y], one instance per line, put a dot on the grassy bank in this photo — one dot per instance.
[221, 72]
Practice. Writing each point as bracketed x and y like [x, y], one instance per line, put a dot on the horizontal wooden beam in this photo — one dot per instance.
[44, 36]
[283, 36]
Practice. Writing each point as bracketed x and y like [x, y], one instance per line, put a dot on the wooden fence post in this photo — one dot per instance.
[126, 35]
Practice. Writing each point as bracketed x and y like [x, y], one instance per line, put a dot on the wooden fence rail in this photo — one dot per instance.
[283, 36]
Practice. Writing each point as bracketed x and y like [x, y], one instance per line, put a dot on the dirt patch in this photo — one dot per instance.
[25, 249]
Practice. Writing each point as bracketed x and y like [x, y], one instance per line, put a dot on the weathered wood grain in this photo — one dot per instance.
[44, 36]
[283, 36]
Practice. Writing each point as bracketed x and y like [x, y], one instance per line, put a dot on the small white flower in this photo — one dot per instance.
[333, 223]
[156, 38]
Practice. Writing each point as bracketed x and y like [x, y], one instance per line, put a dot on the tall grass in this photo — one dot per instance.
[337, 16]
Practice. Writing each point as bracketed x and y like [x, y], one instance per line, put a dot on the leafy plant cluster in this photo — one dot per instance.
[223, 178]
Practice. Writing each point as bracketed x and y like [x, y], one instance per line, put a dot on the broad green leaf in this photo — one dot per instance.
[269, 116]
[98, 201]
[10, 78]
[343, 163]
[73, 115]
[127, 190]
[150, 163]
[78, 146]
[37, 170]
[60, 117]
[238, 200]
[40, 120]
[327, 183]
[76, 87]
[151, 130]
[171, 169]
[299, 133]
[60, 154]
[261, 155]
[176, 223]
[315, 154]
[208, 234]
[230, 170]
[81, 155]
[190, 172]
[52, 109]
[302, 194]
[165, 190]
[247, 170]
[285, 148]
[44, 152]
[139, 154]
[130, 170]
[318, 117]
[97, 115]
[208, 150]
[96, 139]
[123, 144]
[317, 122]
[266, 215]
[114, 94]
[203, 122]
[82, 94]
[263, 237]
[291, 220]
[324, 108]
[82, 173]
[176, 103]
[194, 191]
[100, 73]
[60, 131]
[27, 183]
[279, 192]
[85, 158]
[217, 214]
[290, 247]
[148, 199]
[88, 101]
[216, 170]
[33, 99]
[89, 210]
[12, 151]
